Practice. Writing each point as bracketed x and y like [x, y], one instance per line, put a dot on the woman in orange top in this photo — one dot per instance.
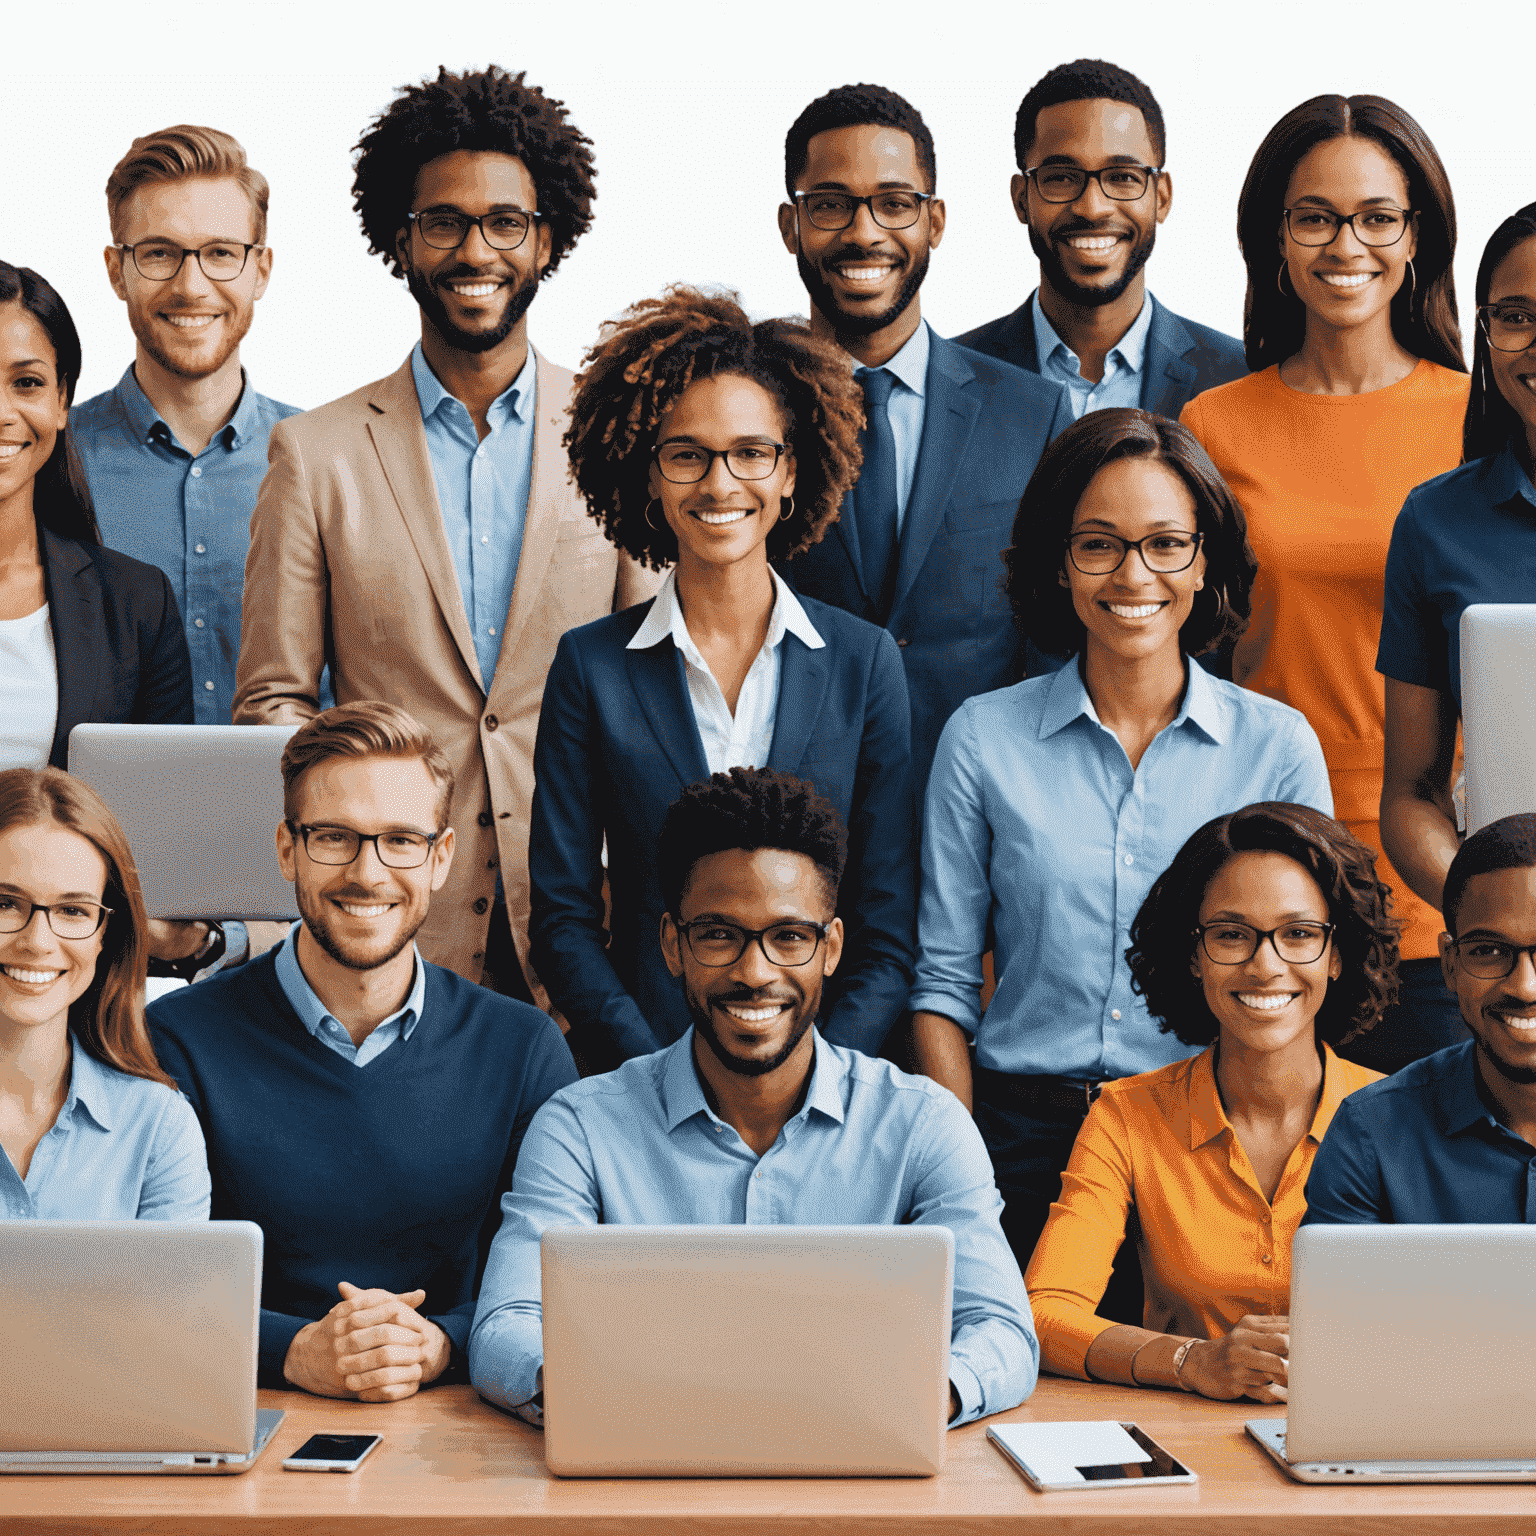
[1348, 230]
[1267, 940]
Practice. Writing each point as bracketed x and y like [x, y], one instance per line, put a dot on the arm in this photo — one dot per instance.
[164, 692]
[944, 1053]
[1305, 781]
[1345, 1184]
[1418, 821]
[176, 1184]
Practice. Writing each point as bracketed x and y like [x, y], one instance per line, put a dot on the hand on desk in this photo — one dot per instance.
[1249, 1362]
[372, 1345]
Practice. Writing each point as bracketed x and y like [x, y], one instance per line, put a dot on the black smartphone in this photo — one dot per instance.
[331, 1453]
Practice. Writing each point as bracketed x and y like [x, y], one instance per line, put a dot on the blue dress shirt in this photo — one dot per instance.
[122, 1147]
[189, 516]
[1038, 831]
[482, 492]
[1121, 384]
[908, 402]
[870, 1146]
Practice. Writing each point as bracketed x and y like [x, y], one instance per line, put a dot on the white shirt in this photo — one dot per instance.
[742, 740]
[29, 690]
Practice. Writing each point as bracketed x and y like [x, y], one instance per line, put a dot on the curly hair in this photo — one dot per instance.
[485, 111]
[1359, 905]
[637, 371]
[856, 106]
[1086, 80]
[748, 808]
[1509, 843]
[1491, 424]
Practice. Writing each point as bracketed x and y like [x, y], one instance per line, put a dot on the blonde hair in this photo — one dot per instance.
[178, 154]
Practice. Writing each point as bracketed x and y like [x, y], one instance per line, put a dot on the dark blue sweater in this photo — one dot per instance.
[384, 1175]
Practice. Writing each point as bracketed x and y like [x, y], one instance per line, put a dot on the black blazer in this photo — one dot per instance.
[117, 634]
[617, 744]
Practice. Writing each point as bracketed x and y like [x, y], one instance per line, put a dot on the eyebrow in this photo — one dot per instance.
[1163, 523]
[30, 362]
[741, 437]
[736, 922]
[1487, 933]
[494, 208]
[16, 890]
[1108, 160]
[880, 186]
[1229, 916]
[1511, 298]
[1365, 202]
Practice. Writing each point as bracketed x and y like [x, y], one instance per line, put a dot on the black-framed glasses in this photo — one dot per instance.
[688, 463]
[784, 944]
[341, 845]
[1508, 327]
[68, 919]
[1490, 959]
[837, 210]
[1097, 554]
[446, 229]
[1067, 183]
[1372, 226]
[222, 261]
[1297, 943]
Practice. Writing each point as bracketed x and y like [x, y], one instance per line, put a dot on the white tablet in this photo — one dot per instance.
[1096, 1453]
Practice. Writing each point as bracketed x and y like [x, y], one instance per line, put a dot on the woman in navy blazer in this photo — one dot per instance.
[708, 444]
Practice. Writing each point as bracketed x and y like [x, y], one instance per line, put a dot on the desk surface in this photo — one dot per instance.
[450, 1464]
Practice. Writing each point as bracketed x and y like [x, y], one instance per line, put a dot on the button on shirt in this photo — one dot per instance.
[907, 404]
[741, 740]
[482, 493]
[1121, 384]
[1036, 828]
[871, 1146]
[122, 1148]
[189, 516]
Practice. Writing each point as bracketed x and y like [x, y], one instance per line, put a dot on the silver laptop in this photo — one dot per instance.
[1498, 709]
[200, 805]
[130, 1346]
[746, 1351]
[1411, 1356]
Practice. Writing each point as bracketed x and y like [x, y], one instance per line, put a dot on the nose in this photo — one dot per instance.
[719, 479]
[368, 867]
[190, 278]
[1523, 978]
[1091, 203]
[754, 969]
[475, 249]
[863, 228]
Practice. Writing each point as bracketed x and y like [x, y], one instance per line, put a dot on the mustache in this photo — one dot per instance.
[750, 999]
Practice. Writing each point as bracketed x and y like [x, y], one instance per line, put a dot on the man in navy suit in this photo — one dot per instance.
[952, 437]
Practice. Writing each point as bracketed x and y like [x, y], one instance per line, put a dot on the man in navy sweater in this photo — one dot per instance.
[363, 1107]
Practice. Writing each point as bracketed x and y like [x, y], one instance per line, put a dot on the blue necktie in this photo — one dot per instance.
[874, 493]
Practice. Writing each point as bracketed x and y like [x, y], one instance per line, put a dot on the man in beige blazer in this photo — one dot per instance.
[421, 534]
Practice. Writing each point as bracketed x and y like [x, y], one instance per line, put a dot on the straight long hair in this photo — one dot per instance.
[1491, 423]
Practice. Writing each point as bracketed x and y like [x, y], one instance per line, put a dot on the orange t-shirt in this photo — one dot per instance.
[1321, 479]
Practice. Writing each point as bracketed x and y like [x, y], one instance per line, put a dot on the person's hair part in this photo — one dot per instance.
[749, 808]
[857, 106]
[1037, 556]
[484, 111]
[1087, 80]
[367, 728]
[1491, 424]
[1423, 312]
[180, 153]
[638, 370]
[1164, 943]
[1509, 843]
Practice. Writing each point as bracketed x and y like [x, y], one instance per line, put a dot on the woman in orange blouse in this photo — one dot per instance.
[1268, 941]
[1348, 230]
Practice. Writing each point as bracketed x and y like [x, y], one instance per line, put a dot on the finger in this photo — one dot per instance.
[389, 1394]
[1264, 1323]
[384, 1303]
[392, 1312]
[382, 1376]
[347, 1289]
[413, 1298]
[404, 1339]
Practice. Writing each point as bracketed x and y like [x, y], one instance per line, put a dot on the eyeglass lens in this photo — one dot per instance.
[1067, 183]
[1317, 226]
[1490, 960]
[158, 260]
[686, 463]
[1234, 943]
[446, 229]
[340, 845]
[837, 210]
[1097, 554]
[1510, 329]
[68, 919]
[789, 944]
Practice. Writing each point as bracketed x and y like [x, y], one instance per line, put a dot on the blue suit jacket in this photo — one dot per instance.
[617, 744]
[985, 425]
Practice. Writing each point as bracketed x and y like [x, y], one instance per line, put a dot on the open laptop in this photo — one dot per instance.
[1411, 1355]
[200, 805]
[743, 1351]
[1498, 710]
[130, 1346]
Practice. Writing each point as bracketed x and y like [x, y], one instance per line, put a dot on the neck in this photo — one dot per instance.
[878, 347]
[34, 1063]
[1133, 692]
[18, 530]
[194, 409]
[726, 600]
[1351, 361]
[358, 1000]
[756, 1108]
[475, 379]
[1516, 1102]
[1269, 1085]
[1092, 330]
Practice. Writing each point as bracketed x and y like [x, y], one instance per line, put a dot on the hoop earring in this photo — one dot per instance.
[1413, 284]
[651, 503]
[1280, 282]
[784, 517]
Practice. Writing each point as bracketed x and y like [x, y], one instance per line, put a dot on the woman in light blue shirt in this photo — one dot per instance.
[91, 1127]
[1055, 804]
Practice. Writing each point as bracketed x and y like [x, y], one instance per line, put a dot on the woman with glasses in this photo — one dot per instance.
[1467, 537]
[1054, 803]
[92, 1127]
[1268, 942]
[1348, 229]
[707, 445]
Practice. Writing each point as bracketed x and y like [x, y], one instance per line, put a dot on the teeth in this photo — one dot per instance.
[1266, 1002]
[191, 322]
[863, 274]
[474, 290]
[1138, 611]
[715, 519]
[1519, 1020]
[10, 450]
[355, 911]
[37, 978]
[752, 1015]
[1346, 279]
[1093, 242]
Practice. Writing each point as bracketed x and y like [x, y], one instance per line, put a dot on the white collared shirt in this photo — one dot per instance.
[742, 740]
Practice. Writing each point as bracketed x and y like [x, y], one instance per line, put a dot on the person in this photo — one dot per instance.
[1465, 537]
[750, 864]
[707, 444]
[475, 554]
[1055, 803]
[1091, 190]
[1347, 228]
[952, 437]
[92, 1127]
[344, 1054]
[1451, 1136]
[1267, 941]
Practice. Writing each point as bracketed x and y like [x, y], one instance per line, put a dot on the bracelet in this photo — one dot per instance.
[1134, 1382]
[1178, 1363]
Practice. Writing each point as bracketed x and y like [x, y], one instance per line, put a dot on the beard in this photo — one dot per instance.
[1506, 1069]
[846, 324]
[432, 306]
[704, 1024]
[180, 367]
[1082, 296]
[316, 920]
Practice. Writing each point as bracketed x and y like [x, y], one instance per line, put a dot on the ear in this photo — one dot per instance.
[789, 228]
[263, 271]
[935, 223]
[287, 853]
[1448, 962]
[1413, 236]
[442, 858]
[1164, 195]
[1335, 962]
[403, 248]
[789, 478]
[1018, 196]
[545, 246]
[115, 258]
[832, 947]
[671, 944]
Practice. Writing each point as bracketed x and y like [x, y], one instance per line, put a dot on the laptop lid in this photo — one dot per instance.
[1498, 710]
[1412, 1343]
[129, 1336]
[200, 805]
[746, 1351]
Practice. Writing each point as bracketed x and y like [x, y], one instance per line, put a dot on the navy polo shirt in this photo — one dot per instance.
[1467, 536]
[1424, 1145]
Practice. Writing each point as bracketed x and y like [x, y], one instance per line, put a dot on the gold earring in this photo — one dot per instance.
[651, 503]
[784, 517]
[1280, 282]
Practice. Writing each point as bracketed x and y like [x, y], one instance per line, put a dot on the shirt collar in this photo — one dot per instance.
[513, 401]
[1207, 1118]
[1506, 481]
[1067, 699]
[682, 1091]
[1132, 347]
[1460, 1106]
[910, 365]
[313, 1013]
[666, 619]
[143, 418]
[90, 1086]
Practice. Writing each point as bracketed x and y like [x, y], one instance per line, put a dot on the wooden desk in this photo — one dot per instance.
[449, 1464]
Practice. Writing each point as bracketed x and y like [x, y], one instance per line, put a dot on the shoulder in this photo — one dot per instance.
[610, 634]
[125, 577]
[622, 1097]
[213, 1008]
[1150, 1095]
[993, 338]
[1217, 346]
[873, 1080]
[97, 414]
[345, 415]
[1256, 712]
[555, 384]
[1234, 401]
[1434, 381]
[273, 411]
[1018, 706]
[1410, 1093]
[1445, 497]
[494, 1021]
[994, 377]
[1354, 1077]
[840, 629]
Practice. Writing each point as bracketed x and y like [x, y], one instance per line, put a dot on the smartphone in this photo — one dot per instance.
[331, 1453]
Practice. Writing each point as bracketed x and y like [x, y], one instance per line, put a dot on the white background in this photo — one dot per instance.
[687, 105]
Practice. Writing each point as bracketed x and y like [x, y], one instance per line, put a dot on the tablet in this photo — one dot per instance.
[1096, 1453]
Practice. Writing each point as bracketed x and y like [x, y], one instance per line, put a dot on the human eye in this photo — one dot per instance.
[1300, 932]
[1122, 177]
[1514, 315]
[222, 251]
[73, 909]
[402, 841]
[793, 937]
[507, 223]
[682, 453]
[8, 904]
[1312, 218]
[897, 204]
[827, 202]
[1058, 178]
[440, 222]
[1227, 933]
[329, 837]
[155, 251]
[1095, 543]
[1384, 218]
[1486, 949]
[1171, 543]
[752, 453]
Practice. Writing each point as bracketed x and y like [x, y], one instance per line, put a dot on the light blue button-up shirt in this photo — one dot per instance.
[908, 402]
[870, 1146]
[482, 492]
[1037, 829]
[122, 1147]
[328, 1029]
[1121, 384]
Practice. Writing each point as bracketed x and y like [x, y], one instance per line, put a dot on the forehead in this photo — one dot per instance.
[1091, 133]
[193, 210]
[1258, 884]
[47, 859]
[1136, 492]
[1503, 901]
[22, 337]
[1350, 169]
[755, 887]
[863, 159]
[725, 405]
[368, 792]
[476, 181]
[1516, 273]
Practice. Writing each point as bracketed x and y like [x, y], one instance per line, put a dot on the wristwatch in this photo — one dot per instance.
[1178, 1363]
[210, 952]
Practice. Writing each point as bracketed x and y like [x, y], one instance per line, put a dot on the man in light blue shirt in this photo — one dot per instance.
[1120, 382]
[751, 1116]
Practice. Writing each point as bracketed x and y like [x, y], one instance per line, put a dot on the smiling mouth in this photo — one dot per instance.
[31, 978]
[188, 322]
[1523, 1024]
[481, 289]
[1094, 244]
[10, 450]
[1265, 1002]
[1347, 282]
[753, 1013]
[723, 518]
[865, 273]
[372, 909]
[1134, 610]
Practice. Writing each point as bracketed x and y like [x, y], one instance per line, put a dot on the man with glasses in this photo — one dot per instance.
[422, 533]
[750, 862]
[363, 1106]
